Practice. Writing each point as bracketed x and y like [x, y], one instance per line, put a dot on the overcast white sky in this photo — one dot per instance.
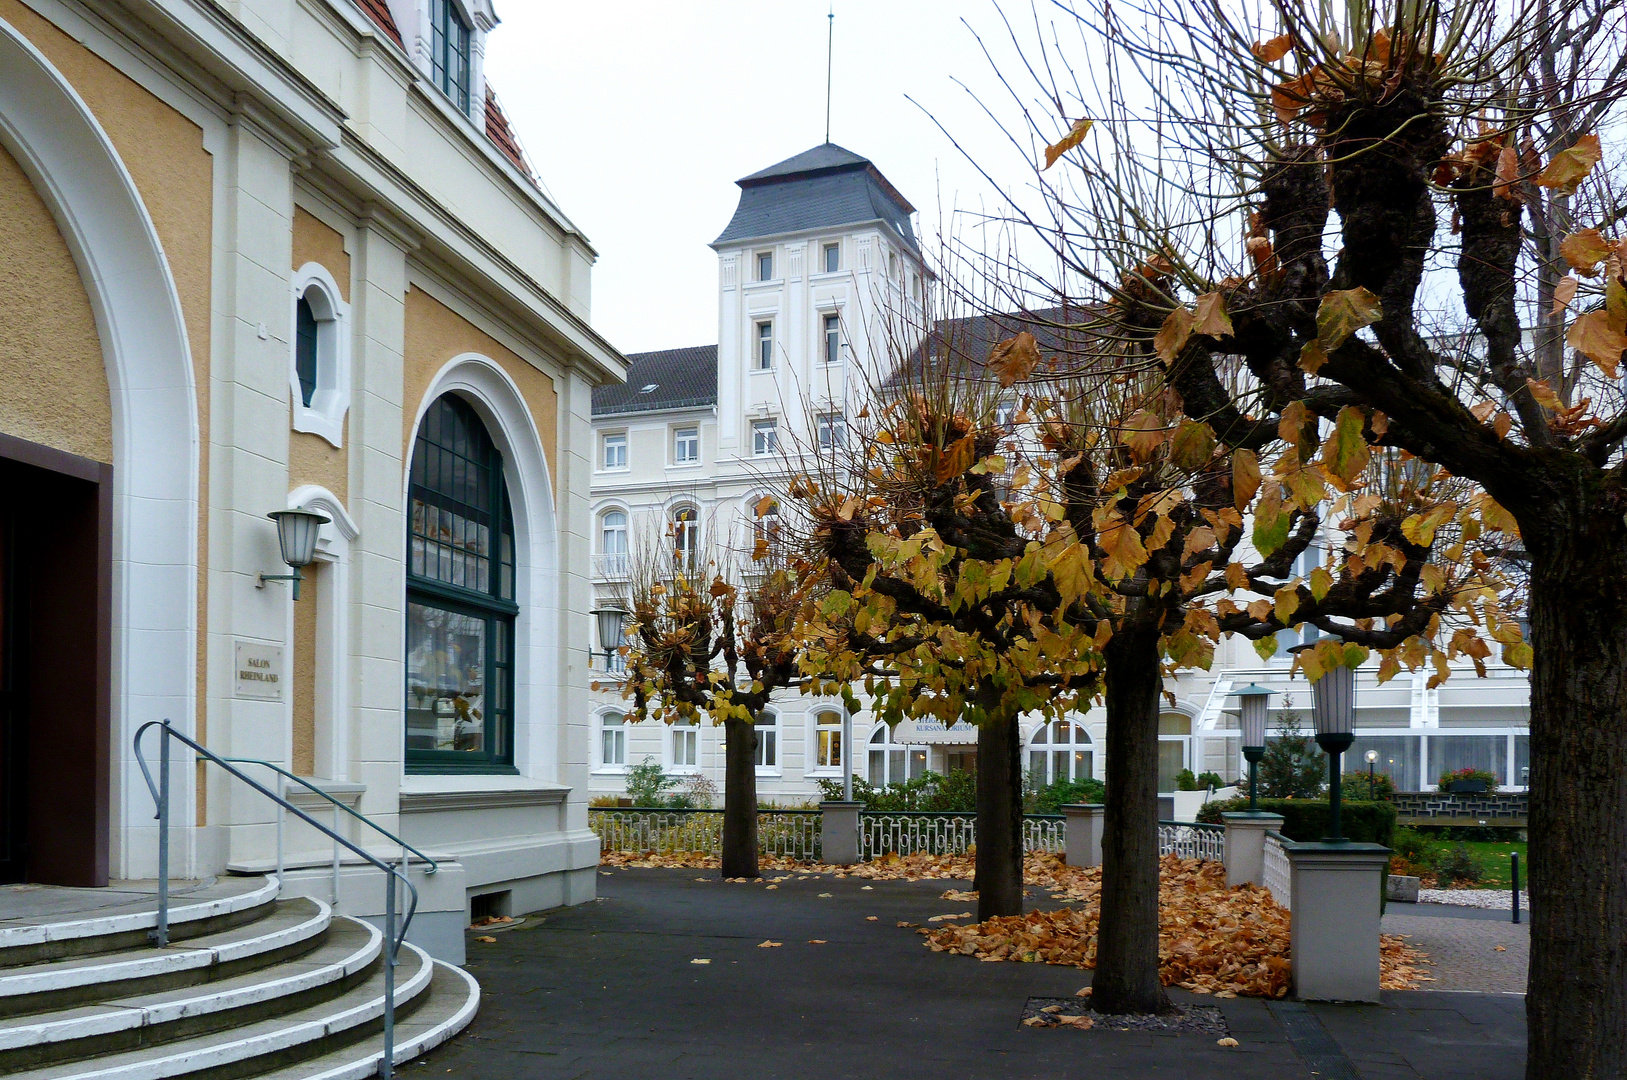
[640, 116]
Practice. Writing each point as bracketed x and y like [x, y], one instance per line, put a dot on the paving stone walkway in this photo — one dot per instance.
[609, 990]
[1466, 950]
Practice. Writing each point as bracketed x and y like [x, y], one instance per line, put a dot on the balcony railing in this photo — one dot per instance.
[607, 663]
[613, 566]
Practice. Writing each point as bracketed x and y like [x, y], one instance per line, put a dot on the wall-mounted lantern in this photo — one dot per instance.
[296, 536]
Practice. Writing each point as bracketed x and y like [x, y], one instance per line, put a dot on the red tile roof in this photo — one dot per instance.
[379, 12]
[501, 135]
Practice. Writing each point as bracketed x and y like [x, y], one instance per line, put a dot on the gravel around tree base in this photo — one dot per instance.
[1493, 899]
[1067, 1012]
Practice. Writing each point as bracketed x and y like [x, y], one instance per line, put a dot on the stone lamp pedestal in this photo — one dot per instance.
[1336, 894]
[1084, 833]
[839, 832]
[1245, 845]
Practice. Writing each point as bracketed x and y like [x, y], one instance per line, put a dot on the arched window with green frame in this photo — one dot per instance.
[460, 598]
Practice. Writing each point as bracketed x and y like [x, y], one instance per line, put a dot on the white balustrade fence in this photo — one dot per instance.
[1278, 872]
[793, 834]
[1192, 840]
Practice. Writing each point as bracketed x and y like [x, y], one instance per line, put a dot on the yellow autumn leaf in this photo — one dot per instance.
[1286, 603]
[1122, 550]
[1543, 394]
[1172, 336]
[1312, 357]
[1269, 52]
[1192, 445]
[1320, 582]
[1245, 478]
[1569, 168]
[1584, 250]
[1596, 338]
[1236, 577]
[1345, 454]
[1076, 135]
[1210, 317]
[1564, 293]
[1420, 527]
[1343, 312]
[1507, 175]
[1013, 360]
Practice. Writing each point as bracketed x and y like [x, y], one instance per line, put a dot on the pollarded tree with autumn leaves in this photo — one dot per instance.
[1377, 194]
[716, 638]
[1020, 533]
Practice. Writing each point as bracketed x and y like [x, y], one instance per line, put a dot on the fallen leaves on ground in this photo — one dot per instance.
[946, 918]
[769, 944]
[956, 894]
[491, 920]
[487, 939]
[700, 961]
[1212, 940]
[1227, 1041]
[1229, 942]
[817, 941]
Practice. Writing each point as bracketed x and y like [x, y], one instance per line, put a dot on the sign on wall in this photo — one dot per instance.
[259, 672]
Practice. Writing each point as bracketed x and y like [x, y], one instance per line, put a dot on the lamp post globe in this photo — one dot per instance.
[612, 630]
[1252, 705]
[1334, 710]
[297, 532]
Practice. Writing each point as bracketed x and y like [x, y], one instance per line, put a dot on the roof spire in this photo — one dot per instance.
[830, 44]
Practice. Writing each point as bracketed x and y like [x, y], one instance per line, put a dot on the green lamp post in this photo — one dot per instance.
[1252, 700]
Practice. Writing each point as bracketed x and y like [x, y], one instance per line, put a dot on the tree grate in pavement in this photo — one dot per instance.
[1063, 1012]
[1311, 1041]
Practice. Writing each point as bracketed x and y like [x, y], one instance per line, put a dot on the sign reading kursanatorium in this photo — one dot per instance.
[259, 671]
[929, 730]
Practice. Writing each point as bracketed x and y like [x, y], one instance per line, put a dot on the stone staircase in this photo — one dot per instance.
[250, 985]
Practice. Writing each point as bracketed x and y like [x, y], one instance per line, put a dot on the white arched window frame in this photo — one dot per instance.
[889, 762]
[768, 743]
[827, 741]
[324, 415]
[1060, 750]
[686, 535]
[612, 741]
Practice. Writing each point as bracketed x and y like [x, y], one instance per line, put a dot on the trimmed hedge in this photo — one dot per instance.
[1307, 819]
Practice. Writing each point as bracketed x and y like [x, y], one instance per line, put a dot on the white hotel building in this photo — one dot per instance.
[819, 257]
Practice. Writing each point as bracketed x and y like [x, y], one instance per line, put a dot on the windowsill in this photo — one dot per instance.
[419, 782]
[477, 793]
[762, 371]
[610, 770]
[764, 770]
[613, 472]
[683, 770]
[686, 465]
[768, 284]
[825, 771]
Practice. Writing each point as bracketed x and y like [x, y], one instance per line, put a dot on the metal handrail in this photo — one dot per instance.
[1204, 825]
[338, 804]
[160, 935]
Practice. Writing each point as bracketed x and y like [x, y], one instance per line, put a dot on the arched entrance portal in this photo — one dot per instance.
[102, 599]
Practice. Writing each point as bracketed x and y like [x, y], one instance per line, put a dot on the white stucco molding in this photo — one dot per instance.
[55, 138]
[496, 399]
[325, 416]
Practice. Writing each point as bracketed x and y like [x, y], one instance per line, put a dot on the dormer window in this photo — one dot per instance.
[450, 40]
[833, 258]
[765, 266]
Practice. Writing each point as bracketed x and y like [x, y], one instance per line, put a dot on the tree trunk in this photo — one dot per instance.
[1576, 996]
[1126, 979]
[739, 853]
[999, 881]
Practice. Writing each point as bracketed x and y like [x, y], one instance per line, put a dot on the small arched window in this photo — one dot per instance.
[768, 741]
[613, 532]
[460, 597]
[319, 367]
[765, 529]
[1060, 750]
[828, 740]
[686, 534]
[613, 740]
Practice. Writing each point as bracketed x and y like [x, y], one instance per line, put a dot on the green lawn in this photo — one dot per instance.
[1493, 860]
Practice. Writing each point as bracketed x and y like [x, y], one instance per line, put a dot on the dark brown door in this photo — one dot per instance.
[55, 640]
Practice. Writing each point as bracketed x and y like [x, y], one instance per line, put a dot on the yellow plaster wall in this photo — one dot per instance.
[315, 241]
[435, 334]
[174, 174]
[305, 636]
[54, 386]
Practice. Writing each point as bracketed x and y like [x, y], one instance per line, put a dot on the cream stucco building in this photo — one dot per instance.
[272, 254]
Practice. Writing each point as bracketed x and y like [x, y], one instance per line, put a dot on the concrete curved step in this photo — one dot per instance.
[452, 1001]
[267, 1044]
[288, 927]
[215, 907]
[109, 1026]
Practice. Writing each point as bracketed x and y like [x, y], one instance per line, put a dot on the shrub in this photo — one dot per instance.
[1293, 766]
[1357, 787]
[1053, 797]
[1410, 844]
[1208, 780]
[1307, 819]
[648, 783]
[1456, 864]
[929, 791]
[1185, 780]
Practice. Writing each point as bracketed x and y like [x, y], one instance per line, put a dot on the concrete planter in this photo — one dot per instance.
[1402, 888]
